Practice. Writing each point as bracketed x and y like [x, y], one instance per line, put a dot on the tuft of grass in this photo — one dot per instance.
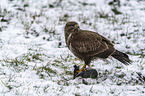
[17, 63]
[55, 4]
[45, 69]
[45, 88]
[33, 57]
[7, 85]
[65, 17]
[5, 18]
[103, 15]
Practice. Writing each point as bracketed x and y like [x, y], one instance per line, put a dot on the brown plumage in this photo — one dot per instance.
[88, 45]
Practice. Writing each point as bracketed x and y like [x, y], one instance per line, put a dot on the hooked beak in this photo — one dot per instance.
[77, 26]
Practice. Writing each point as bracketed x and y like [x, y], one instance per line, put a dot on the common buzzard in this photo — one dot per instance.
[88, 45]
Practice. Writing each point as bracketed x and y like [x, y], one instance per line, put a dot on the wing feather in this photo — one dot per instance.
[88, 42]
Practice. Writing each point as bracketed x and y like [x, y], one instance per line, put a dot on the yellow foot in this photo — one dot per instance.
[82, 69]
[79, 71]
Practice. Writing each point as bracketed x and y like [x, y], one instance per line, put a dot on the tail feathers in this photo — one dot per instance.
[122, 57]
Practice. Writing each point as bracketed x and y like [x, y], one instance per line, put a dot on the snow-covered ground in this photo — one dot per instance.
[35, 61]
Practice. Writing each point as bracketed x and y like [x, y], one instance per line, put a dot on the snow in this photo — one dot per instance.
[35, 61]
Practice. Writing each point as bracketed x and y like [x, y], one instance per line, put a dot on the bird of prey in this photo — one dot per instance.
[88, 45]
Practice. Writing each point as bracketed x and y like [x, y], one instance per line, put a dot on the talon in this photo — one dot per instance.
[82, 69]
[78, 71]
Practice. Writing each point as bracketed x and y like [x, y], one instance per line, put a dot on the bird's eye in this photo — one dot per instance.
[78, 26]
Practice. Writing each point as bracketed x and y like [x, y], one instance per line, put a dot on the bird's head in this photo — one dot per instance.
[71, 27]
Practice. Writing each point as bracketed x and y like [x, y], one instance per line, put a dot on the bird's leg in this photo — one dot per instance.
[80, 70]
[77, 59]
